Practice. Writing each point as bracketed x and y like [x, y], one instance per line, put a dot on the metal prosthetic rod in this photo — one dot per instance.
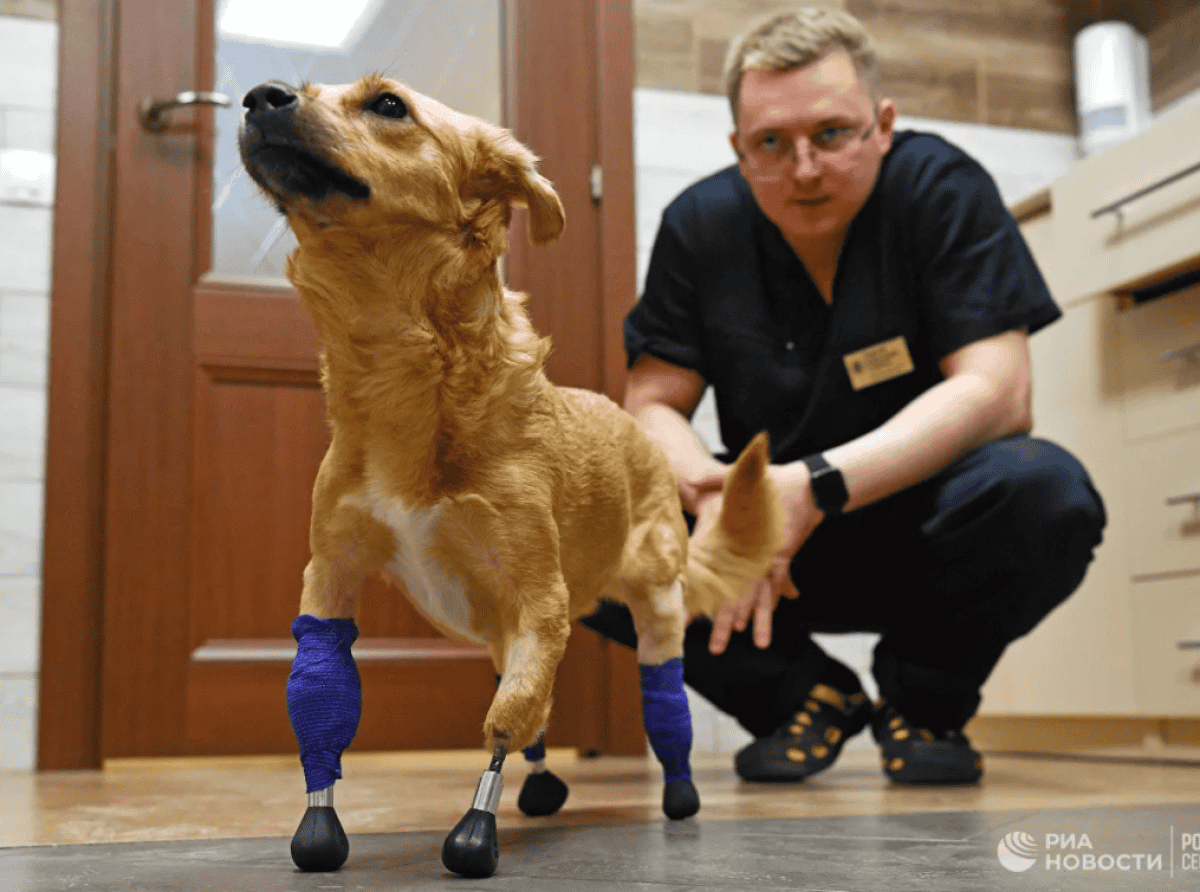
[543, 792]
[472, 848]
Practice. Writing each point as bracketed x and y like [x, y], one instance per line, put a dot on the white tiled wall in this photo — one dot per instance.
[28, 94]
[680, 137]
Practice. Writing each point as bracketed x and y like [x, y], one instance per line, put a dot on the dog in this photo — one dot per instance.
[503, 506]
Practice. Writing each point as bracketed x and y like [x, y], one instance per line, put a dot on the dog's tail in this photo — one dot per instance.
[728, 554]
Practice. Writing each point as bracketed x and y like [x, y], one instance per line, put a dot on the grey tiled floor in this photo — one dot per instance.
[931, 852]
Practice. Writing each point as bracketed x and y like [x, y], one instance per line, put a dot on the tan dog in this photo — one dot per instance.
[502, 505]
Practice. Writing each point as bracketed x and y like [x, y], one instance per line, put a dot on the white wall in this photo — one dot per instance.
[28, 96]
[680, 137]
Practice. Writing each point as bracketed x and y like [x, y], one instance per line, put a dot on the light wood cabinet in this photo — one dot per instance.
[1163, 538]
[1118, 387]
[1148, 237]
[1160, 381]
[1080, 660]
[1167, 612]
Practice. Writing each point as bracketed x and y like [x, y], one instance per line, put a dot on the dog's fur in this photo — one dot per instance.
[504, 506]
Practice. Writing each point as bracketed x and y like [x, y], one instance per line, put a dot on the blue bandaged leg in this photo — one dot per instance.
[667, 717]
[324, 695]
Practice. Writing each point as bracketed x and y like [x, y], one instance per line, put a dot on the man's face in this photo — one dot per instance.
[810, 142]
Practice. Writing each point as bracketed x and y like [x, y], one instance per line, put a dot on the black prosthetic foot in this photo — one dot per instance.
[680, 799]
[472, 849]
[543, 793]
[320, 843]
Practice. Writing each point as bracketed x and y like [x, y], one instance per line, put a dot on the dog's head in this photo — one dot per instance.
[377, 153]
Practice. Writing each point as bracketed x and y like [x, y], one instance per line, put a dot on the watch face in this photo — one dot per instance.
[829, 490]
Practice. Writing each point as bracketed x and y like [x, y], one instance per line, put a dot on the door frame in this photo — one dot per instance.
[70, 715]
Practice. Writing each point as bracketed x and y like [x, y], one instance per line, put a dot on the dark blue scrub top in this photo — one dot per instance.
[933, 256]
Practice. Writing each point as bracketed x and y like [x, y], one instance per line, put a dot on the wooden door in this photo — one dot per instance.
[186, 419]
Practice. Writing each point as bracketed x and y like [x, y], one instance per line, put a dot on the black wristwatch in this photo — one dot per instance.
[828, 485]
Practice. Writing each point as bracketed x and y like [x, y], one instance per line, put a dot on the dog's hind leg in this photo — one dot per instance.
[659, 618]
[543, 792]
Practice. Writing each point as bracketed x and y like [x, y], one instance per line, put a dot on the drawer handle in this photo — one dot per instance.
[1184, 498]
[1187, 354]
[1117, 205]
[1189, 644]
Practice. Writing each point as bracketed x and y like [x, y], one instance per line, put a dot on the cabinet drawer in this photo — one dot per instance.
[1160, 395]
[1163, 538]
[1156, 232]
[1168, 678]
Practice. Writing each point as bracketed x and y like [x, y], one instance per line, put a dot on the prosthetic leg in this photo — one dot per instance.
[472, 849]
[324, 696]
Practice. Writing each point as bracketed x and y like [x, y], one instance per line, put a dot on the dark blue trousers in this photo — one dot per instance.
[948, 573]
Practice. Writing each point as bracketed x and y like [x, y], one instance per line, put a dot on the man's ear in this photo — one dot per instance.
[507, 171]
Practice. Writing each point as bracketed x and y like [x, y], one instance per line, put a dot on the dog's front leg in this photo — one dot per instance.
[324, 691]
[659, 618]
[527, 659]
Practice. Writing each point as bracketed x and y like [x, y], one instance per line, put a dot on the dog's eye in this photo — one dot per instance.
[388, 106]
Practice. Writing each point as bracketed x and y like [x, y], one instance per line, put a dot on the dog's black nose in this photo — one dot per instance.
[268, 97]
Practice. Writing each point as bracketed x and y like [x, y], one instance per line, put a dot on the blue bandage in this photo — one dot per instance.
[324, 695]
[535, 752]
[667, 717]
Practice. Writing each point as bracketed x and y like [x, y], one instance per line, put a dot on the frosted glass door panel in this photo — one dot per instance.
[447, 49]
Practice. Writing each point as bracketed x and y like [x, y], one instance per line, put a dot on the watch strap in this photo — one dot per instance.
[828, 485]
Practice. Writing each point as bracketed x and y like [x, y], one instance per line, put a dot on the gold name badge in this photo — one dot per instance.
[879, 363]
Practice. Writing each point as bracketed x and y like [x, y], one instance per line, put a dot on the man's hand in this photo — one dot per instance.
[693, 494]
[801, 517]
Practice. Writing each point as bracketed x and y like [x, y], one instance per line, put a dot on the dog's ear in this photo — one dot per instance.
[507, 171]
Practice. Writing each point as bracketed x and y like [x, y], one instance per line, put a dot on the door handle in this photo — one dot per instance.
[155, 114]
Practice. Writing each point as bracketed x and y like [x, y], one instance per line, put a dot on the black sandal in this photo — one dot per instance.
[810, 741]
[913, 755]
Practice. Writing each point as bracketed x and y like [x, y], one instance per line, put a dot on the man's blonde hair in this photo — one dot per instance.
[784, 41]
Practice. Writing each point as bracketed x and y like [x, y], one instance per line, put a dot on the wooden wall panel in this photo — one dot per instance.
[562, 278]
[433, 705]
[1002, 62]
[73, 568]
[1175, 54]
[256, 440]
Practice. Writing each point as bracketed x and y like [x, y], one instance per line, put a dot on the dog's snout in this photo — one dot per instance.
[268, 97]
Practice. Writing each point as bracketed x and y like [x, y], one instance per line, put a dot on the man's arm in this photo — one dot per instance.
[662, 397]
[985, 396]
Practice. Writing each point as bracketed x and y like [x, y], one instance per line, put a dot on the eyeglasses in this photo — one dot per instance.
[770, 154]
